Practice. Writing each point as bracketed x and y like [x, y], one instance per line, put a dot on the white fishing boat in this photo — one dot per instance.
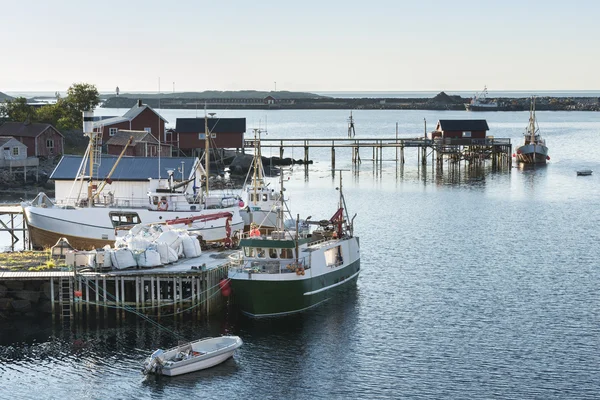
[480, 102]
[534, 151]
[260, 198]
[90, 222]
[288, 271]
[584, 172]
[192, 356]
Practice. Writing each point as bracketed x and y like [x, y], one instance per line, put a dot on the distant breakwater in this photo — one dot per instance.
[439, 102]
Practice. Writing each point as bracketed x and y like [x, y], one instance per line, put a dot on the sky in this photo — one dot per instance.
[313, 46]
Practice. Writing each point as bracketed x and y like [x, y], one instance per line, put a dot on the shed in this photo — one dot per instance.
[461, 128]
[143, 144]
[224, 133]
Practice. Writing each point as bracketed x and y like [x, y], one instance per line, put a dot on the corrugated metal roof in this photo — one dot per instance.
[216, 125]
[463, 125]
[128, 169]
[122, 137]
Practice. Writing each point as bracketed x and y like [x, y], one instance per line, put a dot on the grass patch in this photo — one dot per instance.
[27, 261]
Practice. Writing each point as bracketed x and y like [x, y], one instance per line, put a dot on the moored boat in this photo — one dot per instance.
[534, 151]
[192, 356]
[480, 102]
[584, 172]
[288, 271]
[90, 222]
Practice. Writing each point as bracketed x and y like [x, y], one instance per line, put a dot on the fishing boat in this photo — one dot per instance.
[192, 356]
[260, 198]
[90, 222]
[292, 270]
[534, 151]
[480, 102]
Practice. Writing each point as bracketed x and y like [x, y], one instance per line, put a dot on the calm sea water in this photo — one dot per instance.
[473, 285]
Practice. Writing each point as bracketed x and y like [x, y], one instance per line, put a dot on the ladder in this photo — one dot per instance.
[65, 298]
[96, 150]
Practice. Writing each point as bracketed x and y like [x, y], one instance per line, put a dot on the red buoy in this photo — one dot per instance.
[225, 287]
[514, 155]
[518, 151]
[241, 204]
[547, 157]
[78, 293]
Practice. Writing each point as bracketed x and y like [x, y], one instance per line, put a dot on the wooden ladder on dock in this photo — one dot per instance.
[65, 298]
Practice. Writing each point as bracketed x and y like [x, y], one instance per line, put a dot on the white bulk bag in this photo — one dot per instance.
[171, 238]
[172, 255]
[138, 243]
[189, 250]
[149, 258]
[122, 258]
[163, 251]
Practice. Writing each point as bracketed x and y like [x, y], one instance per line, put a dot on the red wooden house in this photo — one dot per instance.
[140, 117]
[42, 140]
[224, 133]
[461, 129]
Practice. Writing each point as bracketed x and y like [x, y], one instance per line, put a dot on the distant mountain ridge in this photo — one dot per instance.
[4, 97]
[218, 94]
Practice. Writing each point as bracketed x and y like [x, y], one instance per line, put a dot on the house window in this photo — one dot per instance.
[50, 144]
[467, 134]
[15, 151]
[112, 131]
[149, 130]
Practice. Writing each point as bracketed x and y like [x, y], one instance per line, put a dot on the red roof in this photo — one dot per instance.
[21, 129]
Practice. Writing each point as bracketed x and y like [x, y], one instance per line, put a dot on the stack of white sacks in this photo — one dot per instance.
[151, 246]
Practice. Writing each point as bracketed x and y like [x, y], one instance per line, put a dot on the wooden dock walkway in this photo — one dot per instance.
[498, 150]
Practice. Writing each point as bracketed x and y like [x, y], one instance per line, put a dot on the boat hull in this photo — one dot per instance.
[532, 154]
[271, 298]
[88, 228]
[198, 365]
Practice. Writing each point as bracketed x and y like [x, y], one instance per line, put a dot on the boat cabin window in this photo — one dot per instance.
[124, 218]
[249, 251]
[287, 253]
[260, 252]
[155, 200]
[272, 253]
[265, 197]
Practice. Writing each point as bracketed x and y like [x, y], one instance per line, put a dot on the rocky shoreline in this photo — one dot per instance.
[442, 101]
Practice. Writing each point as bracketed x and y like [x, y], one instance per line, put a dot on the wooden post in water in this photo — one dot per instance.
[52, 297]
[281, 150]
[306, 152]
[332, 155]
[123, 296]
[158, 295]
[97, 298]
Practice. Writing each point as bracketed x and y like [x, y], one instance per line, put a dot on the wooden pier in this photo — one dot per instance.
[452, 151]
[16, 225]
[171, 291]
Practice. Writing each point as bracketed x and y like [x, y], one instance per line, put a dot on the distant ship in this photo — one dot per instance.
[480, 102]
[534, 151]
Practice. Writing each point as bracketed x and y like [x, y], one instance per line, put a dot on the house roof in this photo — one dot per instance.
[128, 169]
[21, 129]
[215, 125]
[5, 139]
[463, 125]
[122, 137]
[128, 116]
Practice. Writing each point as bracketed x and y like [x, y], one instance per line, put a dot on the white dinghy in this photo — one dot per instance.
[192, 356]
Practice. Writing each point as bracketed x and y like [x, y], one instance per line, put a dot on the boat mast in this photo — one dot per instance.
[88, 129]
[257, 173]
[532, 121]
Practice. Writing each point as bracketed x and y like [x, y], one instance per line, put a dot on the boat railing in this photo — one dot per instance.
[106, 201]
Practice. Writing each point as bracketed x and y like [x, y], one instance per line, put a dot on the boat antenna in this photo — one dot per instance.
[206, 148]
[159, 148]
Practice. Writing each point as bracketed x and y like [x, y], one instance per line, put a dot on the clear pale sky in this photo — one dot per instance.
[302, 45]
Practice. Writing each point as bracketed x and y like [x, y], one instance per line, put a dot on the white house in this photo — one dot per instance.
[12, 149]
[130, 182]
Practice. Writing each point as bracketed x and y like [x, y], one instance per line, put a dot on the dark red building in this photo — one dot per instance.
[42, 140]
[140, 117]
[224, 133]
[143, 144]
[461, 129]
